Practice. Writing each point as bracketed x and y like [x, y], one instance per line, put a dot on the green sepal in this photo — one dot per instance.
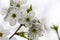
[38, 21]
[55, 27]
[30, 9]
[22, 34]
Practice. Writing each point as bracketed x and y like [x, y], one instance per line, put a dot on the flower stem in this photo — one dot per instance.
[17, 30]
[58, 35]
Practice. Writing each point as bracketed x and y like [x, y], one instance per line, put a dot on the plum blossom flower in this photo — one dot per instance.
[35, 31]
[27, 18]
[12, 16]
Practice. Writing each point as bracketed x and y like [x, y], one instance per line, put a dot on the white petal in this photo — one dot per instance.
[23, 1]
[4, 11]
[1, 29]
[5, 38]
[34, 20]
[12, 22]
[7, 18]
[32, 14]
[23, 7]
[20, 21]
[33, 38]
[6, 32]
[13, 38]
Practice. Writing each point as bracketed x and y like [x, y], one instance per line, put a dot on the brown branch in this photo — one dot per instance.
[17, 30]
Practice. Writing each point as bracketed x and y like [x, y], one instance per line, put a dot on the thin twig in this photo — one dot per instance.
[17, 30]
[58, 35]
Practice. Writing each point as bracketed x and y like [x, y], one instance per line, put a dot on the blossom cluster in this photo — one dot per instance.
[20, 13]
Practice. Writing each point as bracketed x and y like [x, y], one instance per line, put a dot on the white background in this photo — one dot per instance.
[47, 9]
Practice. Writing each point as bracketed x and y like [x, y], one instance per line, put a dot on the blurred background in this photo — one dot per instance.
[47, 9]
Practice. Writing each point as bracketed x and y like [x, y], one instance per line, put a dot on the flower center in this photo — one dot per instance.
[14, 15]
[1, 34]
[34, 30]
[18, 5]
[28, 19]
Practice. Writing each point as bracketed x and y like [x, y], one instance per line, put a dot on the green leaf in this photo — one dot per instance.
[30, 9]
[22, 34]
[55, 27]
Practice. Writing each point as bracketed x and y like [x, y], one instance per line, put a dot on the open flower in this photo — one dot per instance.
[3, 34]
[12, 16]
[27, 18]
[35, 31]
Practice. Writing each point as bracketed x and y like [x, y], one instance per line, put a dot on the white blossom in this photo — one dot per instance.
[12, 16]
[35, 31]
[27, 18]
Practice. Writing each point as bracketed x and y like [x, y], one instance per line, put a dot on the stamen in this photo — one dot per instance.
[28, 19]
[1, 34]
[14, 15]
